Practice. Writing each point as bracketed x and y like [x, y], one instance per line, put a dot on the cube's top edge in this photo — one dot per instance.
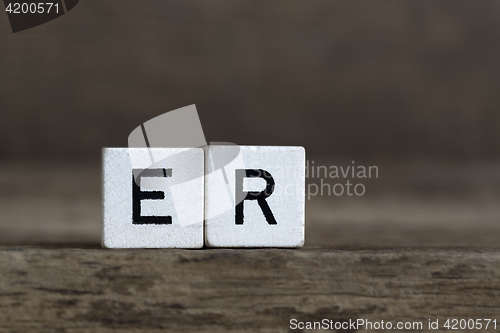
[201, 147]
[259, 147]
[145, 148]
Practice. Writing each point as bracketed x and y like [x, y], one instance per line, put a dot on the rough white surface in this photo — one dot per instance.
[183, 201]
[287, 202]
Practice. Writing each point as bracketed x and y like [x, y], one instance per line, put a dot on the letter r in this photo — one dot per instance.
[259, 196]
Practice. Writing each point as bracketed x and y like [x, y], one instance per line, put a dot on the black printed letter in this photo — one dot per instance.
[259, 196]
[138, 195]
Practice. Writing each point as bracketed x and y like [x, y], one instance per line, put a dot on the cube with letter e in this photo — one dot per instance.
[153, 197]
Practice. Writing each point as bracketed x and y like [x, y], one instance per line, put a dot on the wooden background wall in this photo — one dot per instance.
[356, 78]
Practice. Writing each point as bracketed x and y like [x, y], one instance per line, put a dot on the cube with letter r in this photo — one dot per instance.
[256, 200]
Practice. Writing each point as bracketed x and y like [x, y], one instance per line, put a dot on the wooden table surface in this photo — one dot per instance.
[421, 244]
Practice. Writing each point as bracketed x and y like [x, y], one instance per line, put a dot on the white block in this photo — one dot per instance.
[163, 207]
[238, 193]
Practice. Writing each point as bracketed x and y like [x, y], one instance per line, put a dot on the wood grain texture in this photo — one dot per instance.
[372, 257]
[95, 290]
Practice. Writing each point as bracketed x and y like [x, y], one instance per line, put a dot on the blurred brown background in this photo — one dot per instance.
[410, 86]
[377, 78]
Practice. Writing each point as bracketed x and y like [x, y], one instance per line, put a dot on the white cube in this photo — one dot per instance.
[254, 196]
[153, 197]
